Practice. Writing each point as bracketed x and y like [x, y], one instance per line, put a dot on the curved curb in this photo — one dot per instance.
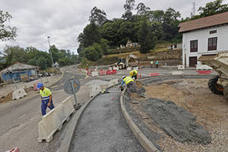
[143, 140]
[65, 144]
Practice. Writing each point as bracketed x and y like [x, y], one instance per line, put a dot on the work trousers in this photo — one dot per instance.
[44, 106]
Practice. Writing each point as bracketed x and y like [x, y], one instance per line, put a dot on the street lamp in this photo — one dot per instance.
[50, 51]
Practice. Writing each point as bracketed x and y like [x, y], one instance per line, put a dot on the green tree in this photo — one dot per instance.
[97, 16]
[104, 46]
[146, 38]
[212, 8]
[128, 6]
[90, 35]
[15, 54]
[6, 32]
[170, 24]
[142, 9]
[94, 52]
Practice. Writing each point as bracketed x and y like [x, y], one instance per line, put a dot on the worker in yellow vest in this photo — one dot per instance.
[129, 82]
[134, 74]
[46, 98]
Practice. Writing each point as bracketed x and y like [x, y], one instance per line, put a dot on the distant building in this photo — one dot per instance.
[131, 45]
[204, 36]
[175, 46]
[19, 72]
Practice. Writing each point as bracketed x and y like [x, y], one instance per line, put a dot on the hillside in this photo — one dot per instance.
[161, 53]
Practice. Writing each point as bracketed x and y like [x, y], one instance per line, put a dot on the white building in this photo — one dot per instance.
[207, 36]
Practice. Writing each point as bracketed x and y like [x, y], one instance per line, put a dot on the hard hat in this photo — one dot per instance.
[39, 85]
[123, 76]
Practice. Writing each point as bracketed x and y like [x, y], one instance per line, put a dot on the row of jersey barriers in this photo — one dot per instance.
[54, 119]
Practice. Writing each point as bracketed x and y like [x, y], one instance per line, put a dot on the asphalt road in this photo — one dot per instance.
[103, 128]
[19, 120]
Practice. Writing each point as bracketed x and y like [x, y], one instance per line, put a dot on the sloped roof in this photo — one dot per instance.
[204, 22]
[19, 67]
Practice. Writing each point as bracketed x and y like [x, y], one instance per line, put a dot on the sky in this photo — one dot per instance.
[64, 20]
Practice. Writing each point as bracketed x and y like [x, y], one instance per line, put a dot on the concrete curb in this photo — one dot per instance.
[143, 140]
[65, 144]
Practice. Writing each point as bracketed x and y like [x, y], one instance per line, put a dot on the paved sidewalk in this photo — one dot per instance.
[103, 128]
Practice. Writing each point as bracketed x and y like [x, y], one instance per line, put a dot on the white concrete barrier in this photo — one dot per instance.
[54, 120]
[136, 68]
[180, 67]
[95, 73]
[47, 126]
[94, 90]
[19, 93]
[116, 68]
[68, 107]
[203, 67]
[129, 68]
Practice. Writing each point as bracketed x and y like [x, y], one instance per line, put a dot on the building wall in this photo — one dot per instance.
[202, 37]
[16, 76]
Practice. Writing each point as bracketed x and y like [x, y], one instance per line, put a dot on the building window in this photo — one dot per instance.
[194, 46]
[214, 31]
[212, 44]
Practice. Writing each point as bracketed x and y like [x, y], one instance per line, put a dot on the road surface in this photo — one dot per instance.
[102, 128]
[19, 120]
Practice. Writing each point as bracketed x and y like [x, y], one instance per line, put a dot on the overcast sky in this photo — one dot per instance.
[63, 20]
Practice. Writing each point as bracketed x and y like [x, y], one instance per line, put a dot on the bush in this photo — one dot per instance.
[94, 52]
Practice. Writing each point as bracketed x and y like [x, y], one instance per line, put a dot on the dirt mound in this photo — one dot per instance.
[176, 121]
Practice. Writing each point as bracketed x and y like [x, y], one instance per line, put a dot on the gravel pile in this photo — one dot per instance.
[176, 121]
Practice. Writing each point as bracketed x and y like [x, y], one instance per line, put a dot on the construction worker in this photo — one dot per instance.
[134, 74]
[129, 82]
[46, 98]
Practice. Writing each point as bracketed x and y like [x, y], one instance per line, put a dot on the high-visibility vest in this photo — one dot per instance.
[133, 72]
[45, 94]
[128, 80]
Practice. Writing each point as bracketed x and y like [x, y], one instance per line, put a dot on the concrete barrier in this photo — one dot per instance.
[135, 68]
[180, 67]
[203, 67]
[95, 73]
[129, 68]
[68, 107]
[54, 120]
[19, 93]
[94, 90]
[47, 126]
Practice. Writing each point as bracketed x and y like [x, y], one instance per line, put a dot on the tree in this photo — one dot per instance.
[128, 6]
[6, 32]
[170, 24]
[142, 9]
[90, 35]
[212, 8]
[94, 52]
[104, 46]
[15, 54]
[97, 16]
[146, 38]
[156, 16]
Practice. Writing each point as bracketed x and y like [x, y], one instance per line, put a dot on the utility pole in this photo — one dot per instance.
[193, 13]
[50, 51]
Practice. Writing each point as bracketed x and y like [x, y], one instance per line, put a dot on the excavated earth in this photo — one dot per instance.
[181, 115]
